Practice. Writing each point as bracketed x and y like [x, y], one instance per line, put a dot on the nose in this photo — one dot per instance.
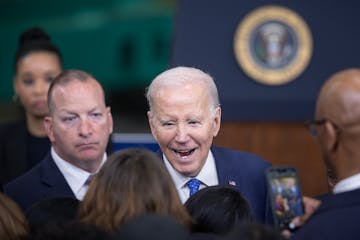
[41, 87]
[182, 134]
[85, 128]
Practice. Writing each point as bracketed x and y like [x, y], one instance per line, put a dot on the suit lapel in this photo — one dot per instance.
[224, 171]
[52, 179]
[225, 174]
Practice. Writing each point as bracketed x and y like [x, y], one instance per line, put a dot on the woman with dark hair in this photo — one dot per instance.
[132, 182]
[25, 143]
[217, 209]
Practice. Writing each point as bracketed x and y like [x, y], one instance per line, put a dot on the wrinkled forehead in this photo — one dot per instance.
[78, 90]
[186, 93]
[79, 84]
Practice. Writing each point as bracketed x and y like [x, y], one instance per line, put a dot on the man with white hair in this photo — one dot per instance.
[184, 117]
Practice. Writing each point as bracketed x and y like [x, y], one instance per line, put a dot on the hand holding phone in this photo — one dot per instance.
[285, 195]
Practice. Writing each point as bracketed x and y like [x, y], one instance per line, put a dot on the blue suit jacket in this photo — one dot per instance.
[336, 218]
[247, 173]
[43, 181]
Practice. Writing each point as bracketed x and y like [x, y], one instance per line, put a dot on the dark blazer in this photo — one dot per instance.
[12, 150]
[336, 218]
[43, 181]
[247, 173]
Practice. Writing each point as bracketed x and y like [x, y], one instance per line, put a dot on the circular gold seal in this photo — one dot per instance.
[273, 45]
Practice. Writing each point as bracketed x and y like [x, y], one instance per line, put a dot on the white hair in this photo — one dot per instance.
[179, 76]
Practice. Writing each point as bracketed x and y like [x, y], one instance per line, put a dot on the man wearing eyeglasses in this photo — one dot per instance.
[337, 130]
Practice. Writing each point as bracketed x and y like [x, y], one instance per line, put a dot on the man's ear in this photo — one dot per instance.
[151, 123]
[110, 119]
[331, 137]
[48, 128]
[217, 121]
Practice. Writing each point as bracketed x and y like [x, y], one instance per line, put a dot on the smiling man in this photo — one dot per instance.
[184, 117]
[79, 125]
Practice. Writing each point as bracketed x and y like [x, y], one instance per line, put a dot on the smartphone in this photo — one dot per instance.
[285, 195]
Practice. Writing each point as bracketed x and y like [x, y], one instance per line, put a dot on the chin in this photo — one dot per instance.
[189, 172]
[90, 157]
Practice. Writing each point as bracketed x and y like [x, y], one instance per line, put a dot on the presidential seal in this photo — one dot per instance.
[273, 45]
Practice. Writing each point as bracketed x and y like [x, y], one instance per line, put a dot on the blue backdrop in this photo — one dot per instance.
[203, 38]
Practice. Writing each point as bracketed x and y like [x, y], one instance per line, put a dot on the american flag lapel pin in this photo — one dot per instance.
[232, 183]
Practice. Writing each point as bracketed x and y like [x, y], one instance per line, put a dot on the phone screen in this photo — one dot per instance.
[285, 195]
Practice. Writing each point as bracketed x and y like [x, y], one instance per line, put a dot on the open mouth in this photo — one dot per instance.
[184, 153]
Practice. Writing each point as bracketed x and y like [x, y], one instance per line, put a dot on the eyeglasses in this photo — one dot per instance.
[312, 126]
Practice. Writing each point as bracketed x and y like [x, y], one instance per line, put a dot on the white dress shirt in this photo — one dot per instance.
[347, 184]
[207, 175]
[74, 176]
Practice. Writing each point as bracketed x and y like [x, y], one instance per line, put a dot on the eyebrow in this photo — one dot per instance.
[26, 74]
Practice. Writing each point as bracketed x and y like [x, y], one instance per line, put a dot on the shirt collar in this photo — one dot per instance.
[207, 175]
[347, 184]
[74, 176]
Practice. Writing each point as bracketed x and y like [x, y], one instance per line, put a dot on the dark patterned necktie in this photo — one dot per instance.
[89, 179]
[193, 184]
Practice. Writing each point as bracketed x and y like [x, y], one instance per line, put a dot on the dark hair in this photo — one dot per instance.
[216, 209]
[254, 231]
[51, 210]
[131, 183]
[152, 227]
[35, 40]
[68, 231]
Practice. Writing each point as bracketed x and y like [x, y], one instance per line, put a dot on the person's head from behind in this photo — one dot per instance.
[337, 124]
[71, 230]
[13, 224]
[254, 231]
[152, 227]
[79, 123]
[216, 209]
[184, 116]
[51, 211]
[37, 62]
[132, 182]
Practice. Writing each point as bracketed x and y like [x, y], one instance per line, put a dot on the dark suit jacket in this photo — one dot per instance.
[13, 147]
[43, 181]
[247, 173]
[337, 218]
[13, 151]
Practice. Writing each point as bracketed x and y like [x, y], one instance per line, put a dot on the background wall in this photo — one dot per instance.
[123, 43]
[288, 144]
[268, 119]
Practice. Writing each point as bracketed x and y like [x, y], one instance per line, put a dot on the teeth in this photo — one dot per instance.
[183, 153]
